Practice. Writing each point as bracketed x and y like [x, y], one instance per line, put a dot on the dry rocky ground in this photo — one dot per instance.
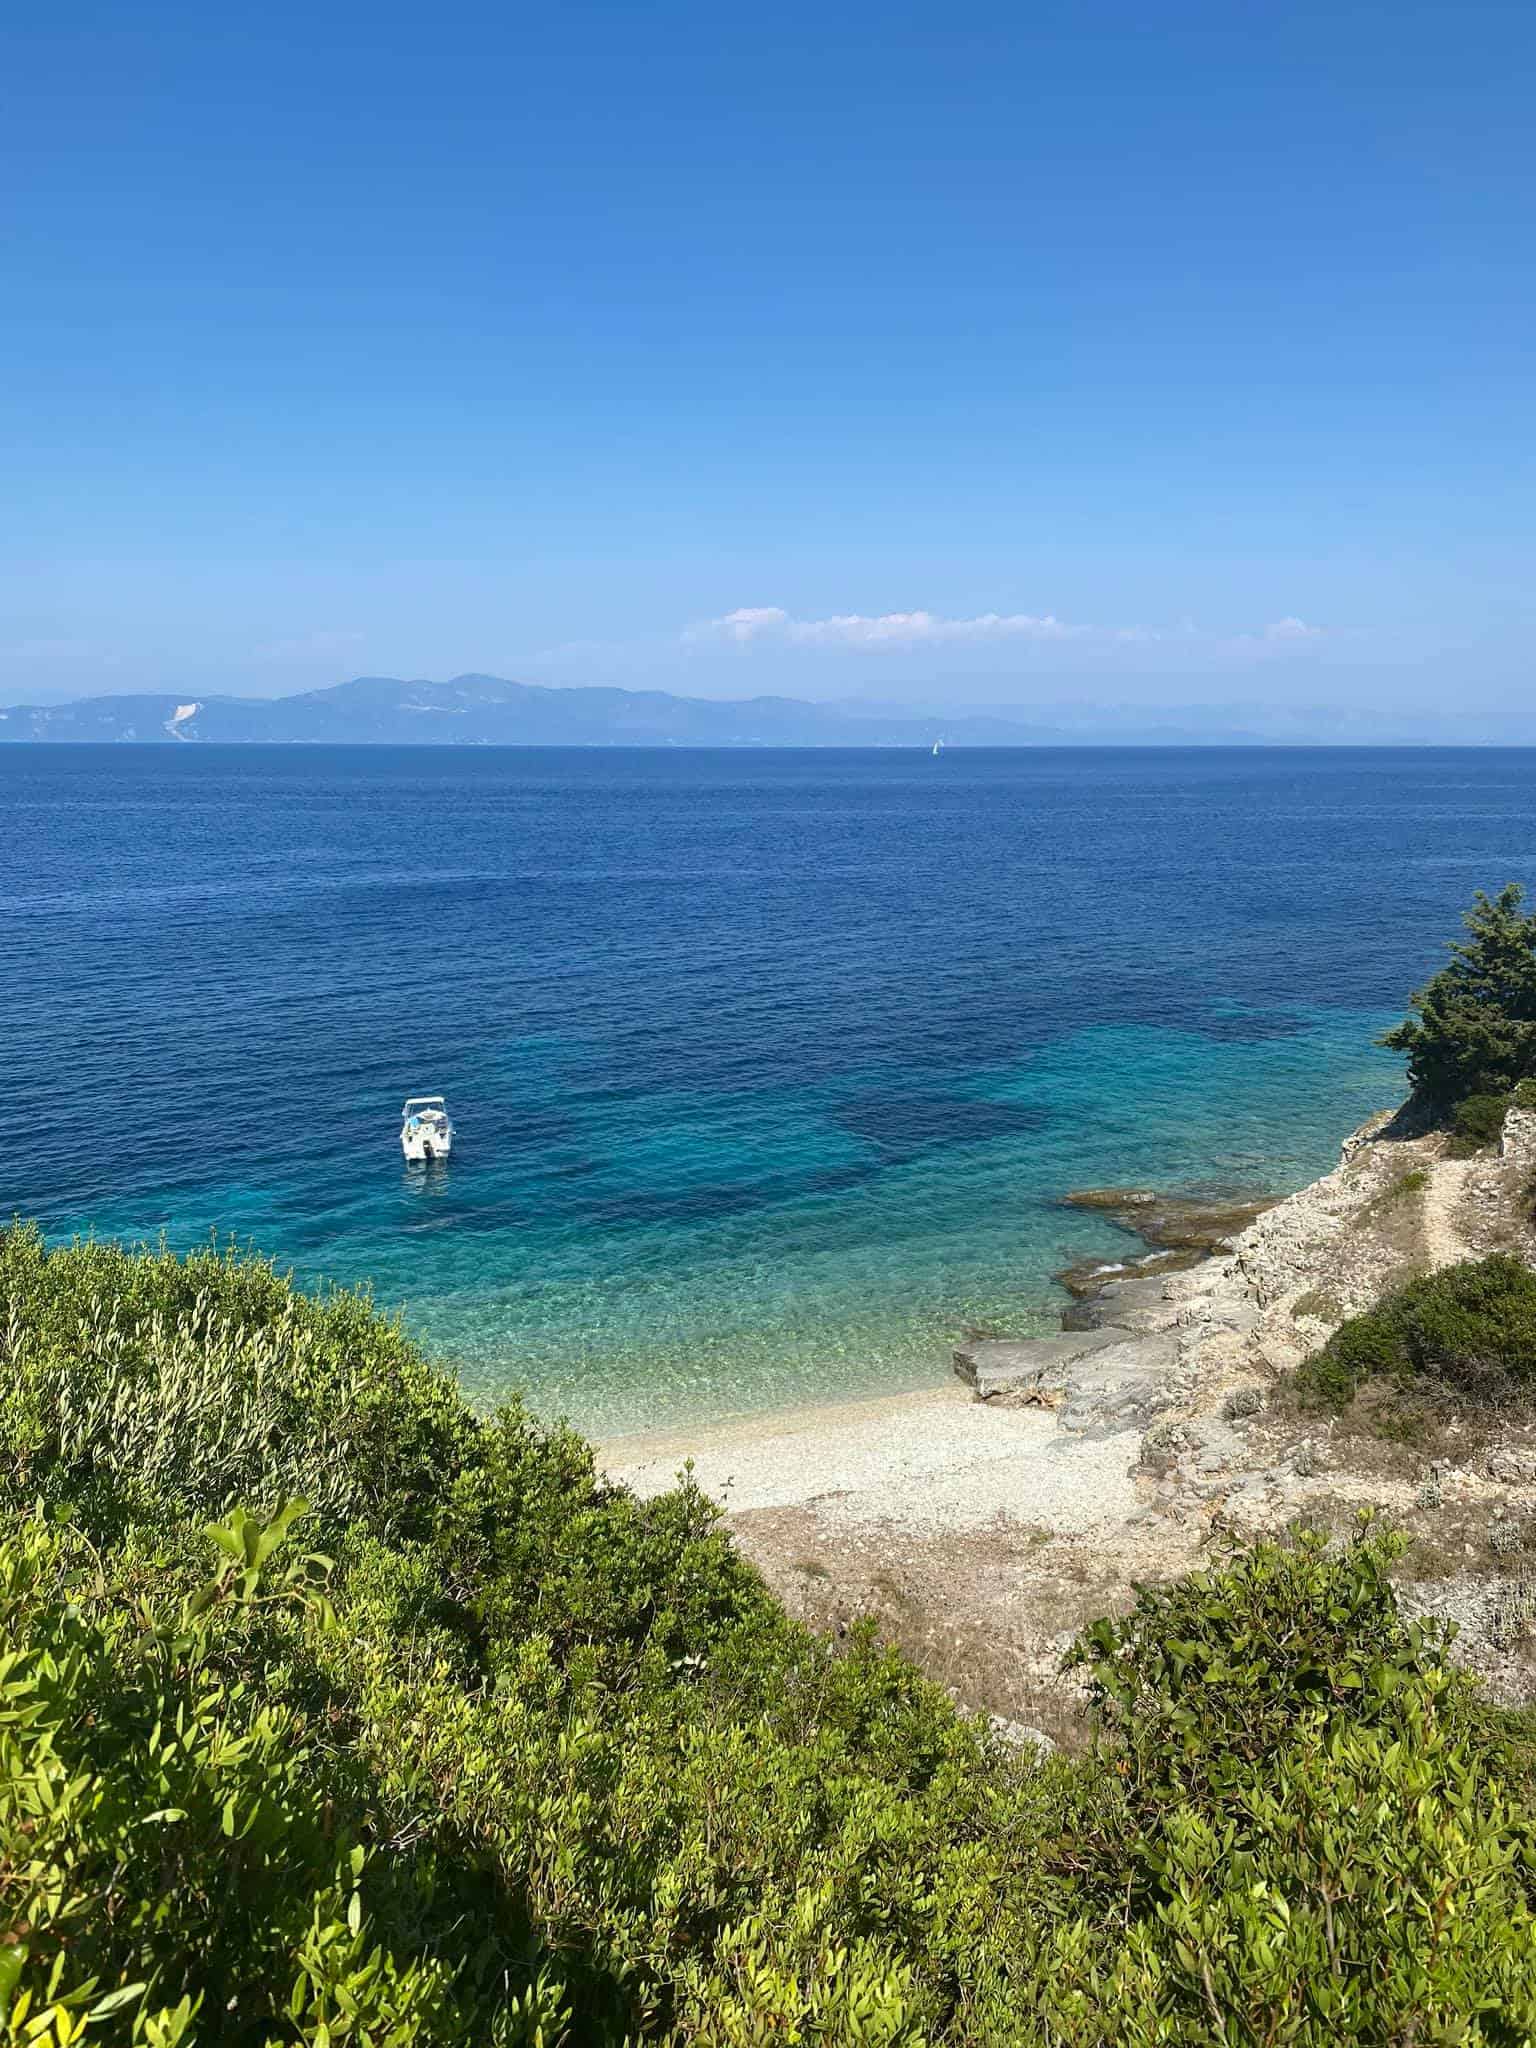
[982, 1525]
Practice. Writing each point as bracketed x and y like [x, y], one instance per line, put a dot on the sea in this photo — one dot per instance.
[769, 1069]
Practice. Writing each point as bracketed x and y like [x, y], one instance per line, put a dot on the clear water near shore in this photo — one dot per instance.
[769, 1069]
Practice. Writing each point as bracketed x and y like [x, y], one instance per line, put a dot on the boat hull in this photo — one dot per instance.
[426, 1129]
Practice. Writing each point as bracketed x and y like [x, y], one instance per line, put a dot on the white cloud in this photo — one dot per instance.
[772, 625]
[888, 629]
[743, 625]
[1287, 632]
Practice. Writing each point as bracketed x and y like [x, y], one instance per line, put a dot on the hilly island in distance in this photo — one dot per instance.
[483, 710]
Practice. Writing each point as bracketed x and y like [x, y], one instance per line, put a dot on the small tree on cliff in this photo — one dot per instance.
[1475, 1032]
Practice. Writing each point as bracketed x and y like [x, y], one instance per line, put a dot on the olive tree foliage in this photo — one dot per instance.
[1474, 1028]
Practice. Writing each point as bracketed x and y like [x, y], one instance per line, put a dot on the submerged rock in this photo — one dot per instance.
[1173, 1223]
[1088, 1279]
[1183, 1231]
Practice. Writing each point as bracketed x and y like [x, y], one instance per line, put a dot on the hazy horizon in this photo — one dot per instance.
[1303, 724]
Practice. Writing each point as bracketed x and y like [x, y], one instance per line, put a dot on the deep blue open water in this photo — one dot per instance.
[768, 1068]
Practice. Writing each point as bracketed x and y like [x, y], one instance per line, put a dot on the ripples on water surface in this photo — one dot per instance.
[767, 1068]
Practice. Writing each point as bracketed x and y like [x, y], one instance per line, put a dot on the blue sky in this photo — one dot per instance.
[976, 354]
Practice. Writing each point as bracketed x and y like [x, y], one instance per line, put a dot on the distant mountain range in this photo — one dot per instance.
[487, 711]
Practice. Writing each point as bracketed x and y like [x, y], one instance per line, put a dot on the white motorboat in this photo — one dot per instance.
[425, 1131]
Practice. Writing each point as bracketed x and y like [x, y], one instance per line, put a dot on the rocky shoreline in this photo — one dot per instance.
[1173, 1225]
[983, 1523]
[1114, 1366]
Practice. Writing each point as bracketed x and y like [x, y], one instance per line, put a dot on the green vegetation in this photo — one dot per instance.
[474, 1748]
[1471, 1327]
[1478, 1121]
[1475, 1031]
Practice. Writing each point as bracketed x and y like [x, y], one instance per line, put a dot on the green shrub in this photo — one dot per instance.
[181, 1849]
[1359, 1349]
[1475, 1028]
[1524, 1096]
[1471, 1326]
[478, 1749]
[140, 1386]
[1210, 1673]
[1478, 1120]
[1298, 1762]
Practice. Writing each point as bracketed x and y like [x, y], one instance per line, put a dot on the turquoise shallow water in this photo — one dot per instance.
[769, 1070]
[867, 1286]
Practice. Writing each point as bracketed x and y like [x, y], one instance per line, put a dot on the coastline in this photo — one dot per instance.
[982, 1521]
[917, 1440]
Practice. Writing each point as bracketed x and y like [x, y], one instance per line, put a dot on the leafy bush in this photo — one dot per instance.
[1206, 1677]
[1475, 1031]
[1307, 1781]
[181, 1843]
[479, 1749]
[1478, 1120]
[1359, 1349]
[1471, 1326]
[141, 1386]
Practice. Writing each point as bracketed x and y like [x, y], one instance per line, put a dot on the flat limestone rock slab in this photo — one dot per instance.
[1137, 1301]
[1126, 1385]
[994, 1366]
[1098, 1381]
